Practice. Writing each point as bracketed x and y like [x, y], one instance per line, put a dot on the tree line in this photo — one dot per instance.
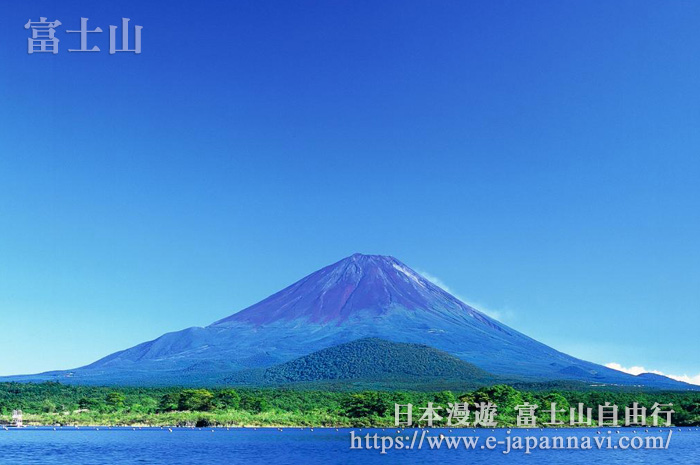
[54, 403]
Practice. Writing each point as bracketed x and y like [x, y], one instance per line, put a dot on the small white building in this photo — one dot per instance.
[17, 418]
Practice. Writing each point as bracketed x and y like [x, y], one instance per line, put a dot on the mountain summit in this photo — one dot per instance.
[359, 286]
[361, 296]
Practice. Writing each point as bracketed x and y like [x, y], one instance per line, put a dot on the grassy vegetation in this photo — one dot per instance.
[57, 404]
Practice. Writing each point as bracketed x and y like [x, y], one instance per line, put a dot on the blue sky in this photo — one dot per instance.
[541, 159]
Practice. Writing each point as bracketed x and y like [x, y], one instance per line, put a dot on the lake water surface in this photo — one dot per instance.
[86, 446]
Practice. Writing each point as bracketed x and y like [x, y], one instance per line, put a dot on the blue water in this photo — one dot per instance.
[87, 446]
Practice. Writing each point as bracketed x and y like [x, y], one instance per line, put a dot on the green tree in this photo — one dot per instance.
[228, 399]
[115, 401]
[254, 403]
[400, 397]
[87, 403]
[505, 397]
[169, 402]
[366, 404]
[146, 404]
[196, 400]
[556, 398]
[47, 406]
[444, 397]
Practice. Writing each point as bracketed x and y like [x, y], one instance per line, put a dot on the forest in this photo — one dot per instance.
[69, 405]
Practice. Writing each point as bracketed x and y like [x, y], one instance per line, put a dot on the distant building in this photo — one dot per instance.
[16, 418]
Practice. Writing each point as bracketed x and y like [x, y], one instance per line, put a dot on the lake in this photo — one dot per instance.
[87, 446]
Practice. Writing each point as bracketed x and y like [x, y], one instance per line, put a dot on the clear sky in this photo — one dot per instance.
[540, 158]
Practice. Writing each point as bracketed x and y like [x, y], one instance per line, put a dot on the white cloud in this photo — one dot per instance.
[437, 281]
[635, 370]
[500, 315]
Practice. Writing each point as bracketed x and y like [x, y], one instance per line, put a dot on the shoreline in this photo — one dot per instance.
[344, 427]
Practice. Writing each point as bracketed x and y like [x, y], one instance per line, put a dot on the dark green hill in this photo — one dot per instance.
[373, 359]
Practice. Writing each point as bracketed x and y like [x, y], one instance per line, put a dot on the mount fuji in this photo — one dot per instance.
[361, 296]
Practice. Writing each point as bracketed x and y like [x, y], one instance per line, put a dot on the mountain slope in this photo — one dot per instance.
[375, 359]
[358, 297]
